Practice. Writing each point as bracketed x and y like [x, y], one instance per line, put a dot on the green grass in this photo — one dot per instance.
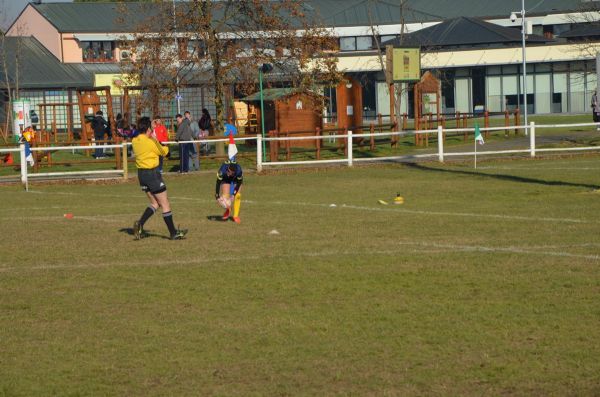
[485, 282]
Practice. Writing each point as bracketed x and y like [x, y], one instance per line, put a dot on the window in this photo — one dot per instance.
[360, 43]
[385, 38]
[364, 43]
[348, 44]
[98, 51]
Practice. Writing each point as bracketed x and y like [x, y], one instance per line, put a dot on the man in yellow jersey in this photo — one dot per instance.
[147, 152]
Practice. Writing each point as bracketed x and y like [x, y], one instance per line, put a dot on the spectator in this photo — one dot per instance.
[194, 161]
[204, 125]
[184, 133]
[596, 110]
[99, 125]
[162, 135]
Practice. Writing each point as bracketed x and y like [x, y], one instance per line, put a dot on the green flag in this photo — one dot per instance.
[478, 136]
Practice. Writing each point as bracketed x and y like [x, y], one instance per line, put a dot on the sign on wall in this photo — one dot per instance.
[115, 81]
[406, 64]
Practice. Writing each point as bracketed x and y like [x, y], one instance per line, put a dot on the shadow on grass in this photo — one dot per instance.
[502, 177]
[147, 234]
[216, 218]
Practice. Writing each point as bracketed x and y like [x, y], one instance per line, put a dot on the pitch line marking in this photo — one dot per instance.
[396, 210]
[439, 248]
[443, 213]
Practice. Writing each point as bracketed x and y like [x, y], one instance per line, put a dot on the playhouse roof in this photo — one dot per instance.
[271, 94]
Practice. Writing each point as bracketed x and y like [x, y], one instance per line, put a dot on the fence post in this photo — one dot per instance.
[532, 138]
[259, 153]
[349, 148]
[440, 138]
[23, 166]
[124, 160]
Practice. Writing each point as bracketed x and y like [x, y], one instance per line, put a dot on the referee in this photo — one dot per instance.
[147, 151]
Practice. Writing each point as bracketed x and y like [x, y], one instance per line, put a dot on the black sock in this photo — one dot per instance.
[168, 217]
[147, 214]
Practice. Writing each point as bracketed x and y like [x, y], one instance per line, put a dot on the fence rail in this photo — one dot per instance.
[346, 158]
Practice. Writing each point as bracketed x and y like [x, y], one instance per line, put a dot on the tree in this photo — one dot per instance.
[226, 42]
[10, 66]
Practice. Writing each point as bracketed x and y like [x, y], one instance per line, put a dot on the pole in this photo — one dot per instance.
[178, 96]
[23, 160]
[258, 153]
[597, 79]
[475, 142]
[532, 138]
[349, 146]
[523, 31]
[440, 137]
[125, 169]
[262, 111]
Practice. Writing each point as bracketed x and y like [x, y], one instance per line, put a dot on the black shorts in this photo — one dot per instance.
[151, 180]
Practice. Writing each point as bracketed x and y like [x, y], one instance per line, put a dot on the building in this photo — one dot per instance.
[472, 46]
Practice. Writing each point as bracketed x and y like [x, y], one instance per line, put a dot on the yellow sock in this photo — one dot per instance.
[237, 202]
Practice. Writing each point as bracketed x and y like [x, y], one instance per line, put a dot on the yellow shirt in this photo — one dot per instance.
[147, 150]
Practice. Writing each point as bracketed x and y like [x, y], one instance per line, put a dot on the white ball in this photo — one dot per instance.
[224, 202]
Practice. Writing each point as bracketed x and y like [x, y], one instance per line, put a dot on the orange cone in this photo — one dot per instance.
[8, 159]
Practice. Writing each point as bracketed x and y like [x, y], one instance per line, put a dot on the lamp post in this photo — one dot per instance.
[513, 18]
[178, 95]
[264, 68]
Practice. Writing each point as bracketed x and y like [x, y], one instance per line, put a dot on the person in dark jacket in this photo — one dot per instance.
[99, 125]
[204, 124]
[184, 133]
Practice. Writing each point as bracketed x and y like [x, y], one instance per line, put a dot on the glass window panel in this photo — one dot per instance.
[494, 70]
[510, 92]
[577, 66]
[591, 81]
[348, 44]
[494, 93]
[542, 93]
[577, 85]
[462, 95]
[364, 43]
[543, 67]
[383, 98]
[561, 67]
[388, 37]
[510, 69]
[559, 93]
[462, 72]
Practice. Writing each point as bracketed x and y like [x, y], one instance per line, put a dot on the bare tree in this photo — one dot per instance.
[386, 65]
[225, 42]
[10, 62]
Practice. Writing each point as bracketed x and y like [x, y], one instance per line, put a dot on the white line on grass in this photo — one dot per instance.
[443, 213]
[438, 248]
[378, 209]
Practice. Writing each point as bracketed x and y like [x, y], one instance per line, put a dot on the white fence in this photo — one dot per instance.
[441, 153]
[348, 159]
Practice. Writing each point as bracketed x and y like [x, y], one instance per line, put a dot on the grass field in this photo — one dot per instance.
[484, 282]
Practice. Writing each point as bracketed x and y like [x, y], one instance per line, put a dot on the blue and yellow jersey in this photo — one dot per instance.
[236, 179]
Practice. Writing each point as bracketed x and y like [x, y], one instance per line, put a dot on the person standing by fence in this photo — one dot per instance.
[184, 133]
[147, 152]
[99, 125]
[204, 124]
[596, 109]
[162, 136]
[194, 152]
